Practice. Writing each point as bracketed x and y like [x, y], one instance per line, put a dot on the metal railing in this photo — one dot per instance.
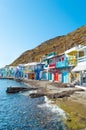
[72, 62]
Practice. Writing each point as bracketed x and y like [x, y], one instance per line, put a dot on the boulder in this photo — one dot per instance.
[36, 95]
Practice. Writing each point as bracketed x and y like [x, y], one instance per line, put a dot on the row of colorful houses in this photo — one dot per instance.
[29, 71]
[67, 67]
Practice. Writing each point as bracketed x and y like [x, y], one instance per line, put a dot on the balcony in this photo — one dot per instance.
[62, 64]
[52, 65]
[72, 62]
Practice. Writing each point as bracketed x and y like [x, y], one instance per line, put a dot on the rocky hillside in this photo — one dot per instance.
[58, 44]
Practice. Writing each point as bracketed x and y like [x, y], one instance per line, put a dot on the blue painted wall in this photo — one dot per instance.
[38, 69]
[62, 64]
[65, 77]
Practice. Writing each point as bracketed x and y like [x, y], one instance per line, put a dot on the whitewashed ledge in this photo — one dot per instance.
[82, 87]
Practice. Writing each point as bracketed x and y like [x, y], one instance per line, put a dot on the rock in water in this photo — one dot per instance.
[15, 89]
[36, 95]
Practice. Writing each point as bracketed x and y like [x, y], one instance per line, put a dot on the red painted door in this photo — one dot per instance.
[56, 76]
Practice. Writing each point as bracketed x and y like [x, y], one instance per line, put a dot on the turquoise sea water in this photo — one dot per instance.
[18, 112]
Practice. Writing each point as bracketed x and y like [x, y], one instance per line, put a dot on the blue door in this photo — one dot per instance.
[44, 76]
[65, 77]
[49, 76]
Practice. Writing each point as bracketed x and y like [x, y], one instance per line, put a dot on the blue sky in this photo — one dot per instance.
[24, 24]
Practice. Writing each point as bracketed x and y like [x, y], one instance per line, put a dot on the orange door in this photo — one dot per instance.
[56, 76]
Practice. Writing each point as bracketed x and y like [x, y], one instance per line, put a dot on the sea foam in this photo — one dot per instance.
[52, 107]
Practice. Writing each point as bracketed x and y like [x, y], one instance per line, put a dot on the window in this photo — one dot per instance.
[62, 58]
[81, 53]
[59, 59]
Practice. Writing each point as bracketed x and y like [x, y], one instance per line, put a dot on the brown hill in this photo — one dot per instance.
[58, 44]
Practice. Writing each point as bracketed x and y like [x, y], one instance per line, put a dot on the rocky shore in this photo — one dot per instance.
[72, 100]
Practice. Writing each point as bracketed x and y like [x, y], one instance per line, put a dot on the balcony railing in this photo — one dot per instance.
[62, 64]
[72, 62]
[52, 65]
[81, 59]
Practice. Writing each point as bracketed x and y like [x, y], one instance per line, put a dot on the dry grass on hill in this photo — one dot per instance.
[58, 44]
